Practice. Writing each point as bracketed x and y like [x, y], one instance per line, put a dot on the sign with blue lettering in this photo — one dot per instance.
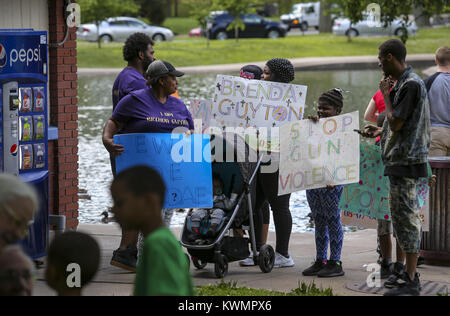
[23, 52]
[184, 162]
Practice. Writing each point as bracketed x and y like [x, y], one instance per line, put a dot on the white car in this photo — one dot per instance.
[343, 26]
[118, 29]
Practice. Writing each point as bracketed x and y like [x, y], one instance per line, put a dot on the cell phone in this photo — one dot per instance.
[358, 131]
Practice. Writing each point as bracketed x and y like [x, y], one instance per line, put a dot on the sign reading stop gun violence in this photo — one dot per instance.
[313, 155]
[257, 104]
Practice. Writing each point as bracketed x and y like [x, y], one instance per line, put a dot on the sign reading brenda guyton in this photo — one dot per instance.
[254, 105]
[313, 155]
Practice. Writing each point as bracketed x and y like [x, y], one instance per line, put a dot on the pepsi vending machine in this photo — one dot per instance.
[23, 122]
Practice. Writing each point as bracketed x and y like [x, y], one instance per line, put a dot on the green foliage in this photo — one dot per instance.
[390, 10]
[98, 10]
[231, 289]
[199, 10]
[154, 10]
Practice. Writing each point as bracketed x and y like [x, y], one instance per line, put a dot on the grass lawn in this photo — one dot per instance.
[231, 289]
[193, 51]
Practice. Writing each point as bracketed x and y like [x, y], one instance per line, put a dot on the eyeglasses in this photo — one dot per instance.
[15, 276]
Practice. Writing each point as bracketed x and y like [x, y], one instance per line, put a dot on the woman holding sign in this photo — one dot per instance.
[277, 70]
[150, 110]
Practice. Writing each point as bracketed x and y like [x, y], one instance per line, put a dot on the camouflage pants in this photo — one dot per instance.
[405, 213]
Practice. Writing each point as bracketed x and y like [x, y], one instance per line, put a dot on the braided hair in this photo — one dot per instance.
[282, 69]
[333, 97]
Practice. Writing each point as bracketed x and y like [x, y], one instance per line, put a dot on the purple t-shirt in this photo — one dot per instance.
[128, 80]
[141, 112]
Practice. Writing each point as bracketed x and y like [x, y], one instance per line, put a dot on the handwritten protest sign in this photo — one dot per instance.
[201, 112]
[183, 162]
[255, 103]
[369, 196]
[313, 155]
[358, 220]
[250, 105]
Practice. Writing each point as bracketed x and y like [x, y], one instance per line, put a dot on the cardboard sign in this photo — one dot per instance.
[369, 196]
[350, 219]
[184, 163]
[313, 155]
[241, 102]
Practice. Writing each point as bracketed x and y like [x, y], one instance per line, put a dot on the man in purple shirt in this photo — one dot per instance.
[138, 52]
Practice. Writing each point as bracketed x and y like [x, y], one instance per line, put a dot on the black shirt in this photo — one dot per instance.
[403, 109]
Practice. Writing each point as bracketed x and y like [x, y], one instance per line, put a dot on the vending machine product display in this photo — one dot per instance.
[24, 123]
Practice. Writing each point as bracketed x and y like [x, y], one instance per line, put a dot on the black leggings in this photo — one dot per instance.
[267, 190]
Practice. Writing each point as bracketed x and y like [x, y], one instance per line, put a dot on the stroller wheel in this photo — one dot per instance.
[266, 258]
[199, 264]
[221, 267]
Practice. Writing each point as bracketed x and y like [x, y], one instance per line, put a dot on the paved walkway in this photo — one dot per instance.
[309, 63]
[359, 250]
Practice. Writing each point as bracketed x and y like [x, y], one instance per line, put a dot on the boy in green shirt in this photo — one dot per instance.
[138, 195]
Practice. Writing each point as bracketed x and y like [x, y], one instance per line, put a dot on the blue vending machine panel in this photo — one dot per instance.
[24, 122]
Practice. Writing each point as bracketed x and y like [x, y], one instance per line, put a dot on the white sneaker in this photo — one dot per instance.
[247, 262]
[283, 262]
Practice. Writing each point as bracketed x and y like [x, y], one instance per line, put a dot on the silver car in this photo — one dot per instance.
[342, 26]
[118, 29]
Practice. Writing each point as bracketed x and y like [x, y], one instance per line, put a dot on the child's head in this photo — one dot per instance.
[217, 184]
[16, 272]
[251, 72]
[380, 119]
[69, 254]
[330, 103]
[138, 194]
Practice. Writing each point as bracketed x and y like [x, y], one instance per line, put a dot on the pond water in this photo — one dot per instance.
[95, 106]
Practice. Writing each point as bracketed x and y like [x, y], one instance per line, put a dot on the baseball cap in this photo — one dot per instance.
[161, 68]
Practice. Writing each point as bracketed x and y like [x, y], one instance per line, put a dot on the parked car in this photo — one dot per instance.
[343, 26]
[255, 26]
[303, 16]
[196, 32]
[119, 28]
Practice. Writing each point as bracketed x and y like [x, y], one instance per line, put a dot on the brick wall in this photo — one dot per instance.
[63, 153]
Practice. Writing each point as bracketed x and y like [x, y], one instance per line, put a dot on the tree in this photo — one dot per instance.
[98, 10]
[154, 10]
[391, 10]
[236, 8]
[200, 10]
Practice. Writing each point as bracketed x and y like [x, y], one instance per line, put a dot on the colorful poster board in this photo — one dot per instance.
[184, 162]
[369, 196]
[313, 155]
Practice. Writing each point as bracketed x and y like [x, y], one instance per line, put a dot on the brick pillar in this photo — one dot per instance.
[64, 115]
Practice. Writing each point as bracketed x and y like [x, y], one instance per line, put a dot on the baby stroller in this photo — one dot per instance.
[224, 248]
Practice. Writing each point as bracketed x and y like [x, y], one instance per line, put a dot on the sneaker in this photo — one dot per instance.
[331, 269]
[397, 272]
[386, 270]
[406, 287]
[315, 268]
[248, 262]
[283, 262]
[125, 258]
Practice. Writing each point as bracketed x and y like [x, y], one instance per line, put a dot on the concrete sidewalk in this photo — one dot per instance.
[359, 250]
[309, 63]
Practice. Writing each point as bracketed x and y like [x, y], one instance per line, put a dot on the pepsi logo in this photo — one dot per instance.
[3, 57]
[13, 150]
